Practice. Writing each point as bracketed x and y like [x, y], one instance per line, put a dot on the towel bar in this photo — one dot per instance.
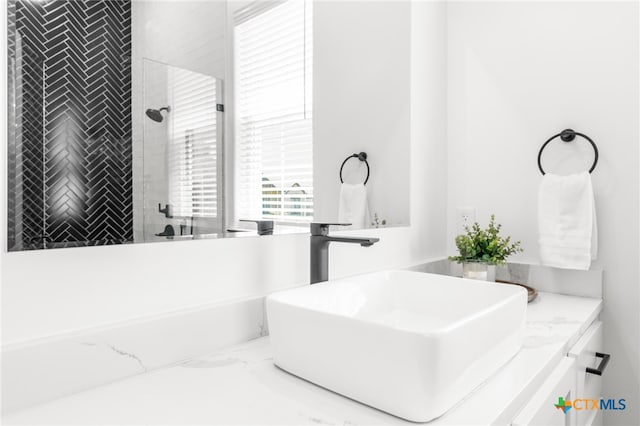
[569, 135]
[362, 157]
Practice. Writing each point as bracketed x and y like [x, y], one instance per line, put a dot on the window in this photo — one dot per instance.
[274, 150]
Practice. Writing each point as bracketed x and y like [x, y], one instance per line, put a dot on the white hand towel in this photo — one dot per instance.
[568, 234]
[353, 207]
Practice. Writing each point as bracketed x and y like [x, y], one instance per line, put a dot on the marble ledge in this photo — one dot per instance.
[542, 278]
[241, 385]
[38, 371]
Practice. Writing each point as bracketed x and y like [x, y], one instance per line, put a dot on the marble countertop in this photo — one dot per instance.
[241, 385]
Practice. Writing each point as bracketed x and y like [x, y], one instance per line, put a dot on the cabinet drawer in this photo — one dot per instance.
[540, 409]
[588, 385]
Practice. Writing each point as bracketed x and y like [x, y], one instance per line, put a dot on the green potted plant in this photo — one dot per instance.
[481, 249]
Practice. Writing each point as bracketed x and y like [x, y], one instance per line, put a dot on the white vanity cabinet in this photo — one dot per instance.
[571, 381]
[588, 385]
[540, 410]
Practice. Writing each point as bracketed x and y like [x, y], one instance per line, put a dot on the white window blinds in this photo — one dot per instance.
[273, 71]
[193, 145]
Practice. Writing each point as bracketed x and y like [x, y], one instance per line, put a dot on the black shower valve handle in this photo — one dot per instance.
[167, 211]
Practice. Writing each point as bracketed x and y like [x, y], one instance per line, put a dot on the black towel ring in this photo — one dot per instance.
[569, 135]
[362, 157]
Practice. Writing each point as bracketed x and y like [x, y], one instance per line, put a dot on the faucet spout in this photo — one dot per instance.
[320, 240]
[364, 242]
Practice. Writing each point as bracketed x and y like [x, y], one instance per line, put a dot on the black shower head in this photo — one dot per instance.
[156, 114]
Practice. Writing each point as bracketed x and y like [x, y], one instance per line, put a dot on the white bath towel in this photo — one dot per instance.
[568, 235]
[353, 207]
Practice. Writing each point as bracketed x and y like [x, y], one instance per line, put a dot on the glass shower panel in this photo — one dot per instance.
[183, 178]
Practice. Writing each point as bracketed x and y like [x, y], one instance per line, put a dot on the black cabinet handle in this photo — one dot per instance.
[603, 364]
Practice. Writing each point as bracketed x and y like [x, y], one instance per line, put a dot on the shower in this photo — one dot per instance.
[156, 114]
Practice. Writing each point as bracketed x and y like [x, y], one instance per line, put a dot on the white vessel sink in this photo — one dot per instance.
[408, 343]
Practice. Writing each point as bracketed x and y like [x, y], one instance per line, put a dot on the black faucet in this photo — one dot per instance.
[320, 240]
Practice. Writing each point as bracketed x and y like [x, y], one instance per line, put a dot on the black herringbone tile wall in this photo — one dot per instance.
[72, 140]
[11, 148]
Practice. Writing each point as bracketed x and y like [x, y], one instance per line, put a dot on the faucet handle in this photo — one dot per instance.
[322, 228]
[265, 227]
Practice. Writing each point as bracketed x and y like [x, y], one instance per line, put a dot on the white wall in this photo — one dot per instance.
[53, 291]
[361, 78]
[519, 72]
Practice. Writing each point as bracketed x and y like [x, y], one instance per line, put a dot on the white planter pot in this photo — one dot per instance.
[479, 271]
